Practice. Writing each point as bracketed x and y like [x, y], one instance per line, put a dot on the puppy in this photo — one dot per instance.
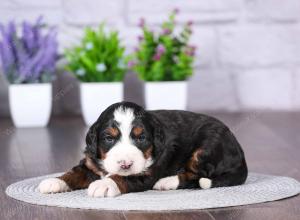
[129, 149]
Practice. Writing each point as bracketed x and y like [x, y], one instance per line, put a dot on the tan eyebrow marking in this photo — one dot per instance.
[112, 131]
[137, 131]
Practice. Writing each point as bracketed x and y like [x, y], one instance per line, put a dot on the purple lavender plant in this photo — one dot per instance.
[29, 57]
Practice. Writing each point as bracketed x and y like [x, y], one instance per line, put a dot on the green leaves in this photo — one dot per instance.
[159, 57]
[164, 56]
[98, 58]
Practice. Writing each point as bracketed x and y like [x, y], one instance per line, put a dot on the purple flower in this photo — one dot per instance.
[160, 49]
[156, 57]
[190, 50]
[131, 63]
[192, 47]
[190, 23]
[176, 10]
[6, 51]
[166, 31]
[30, 57]
[141, 23]
[140, 38]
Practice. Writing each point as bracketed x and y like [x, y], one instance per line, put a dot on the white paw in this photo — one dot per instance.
[103, 188]
[167, 183]
[53, 185]
[205, 183]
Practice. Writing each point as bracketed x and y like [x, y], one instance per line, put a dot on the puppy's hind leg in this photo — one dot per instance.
[188, 179]
[233, 178]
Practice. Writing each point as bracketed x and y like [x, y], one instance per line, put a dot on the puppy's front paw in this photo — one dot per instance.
[103, 188]
[53, 185]
[167, 183]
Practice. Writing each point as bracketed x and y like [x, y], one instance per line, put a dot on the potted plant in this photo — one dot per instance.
[99, 64]
[28, 61]
[165, 61]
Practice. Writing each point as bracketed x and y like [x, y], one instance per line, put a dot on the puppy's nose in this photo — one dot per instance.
[125, 165]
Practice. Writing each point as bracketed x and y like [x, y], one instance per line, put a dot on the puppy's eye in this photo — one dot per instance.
[141, 138]
[109, 139]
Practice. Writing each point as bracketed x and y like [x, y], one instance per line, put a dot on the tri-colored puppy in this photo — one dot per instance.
[129, 149]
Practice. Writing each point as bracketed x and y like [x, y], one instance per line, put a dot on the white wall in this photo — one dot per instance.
[248, 50]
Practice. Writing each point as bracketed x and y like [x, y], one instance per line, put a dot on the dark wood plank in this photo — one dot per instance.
[270, 141]
[175, 215]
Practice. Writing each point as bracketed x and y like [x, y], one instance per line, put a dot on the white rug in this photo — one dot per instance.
[257, 189]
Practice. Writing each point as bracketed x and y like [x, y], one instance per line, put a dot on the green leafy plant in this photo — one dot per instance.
[164, 56]
[98, 58]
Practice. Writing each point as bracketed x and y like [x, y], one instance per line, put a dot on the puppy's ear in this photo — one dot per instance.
[158, 135]
[92, 141]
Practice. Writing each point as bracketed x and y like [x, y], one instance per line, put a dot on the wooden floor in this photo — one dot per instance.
[271, 142]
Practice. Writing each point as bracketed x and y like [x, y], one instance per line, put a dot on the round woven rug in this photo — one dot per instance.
[257, 189]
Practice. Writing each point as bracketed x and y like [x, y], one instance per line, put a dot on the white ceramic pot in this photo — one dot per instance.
[96, 97]
[166, 95]
[30, 104]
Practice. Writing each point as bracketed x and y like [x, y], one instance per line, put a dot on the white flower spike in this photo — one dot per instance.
[80, 72]
[101, 67]
[89, 46]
